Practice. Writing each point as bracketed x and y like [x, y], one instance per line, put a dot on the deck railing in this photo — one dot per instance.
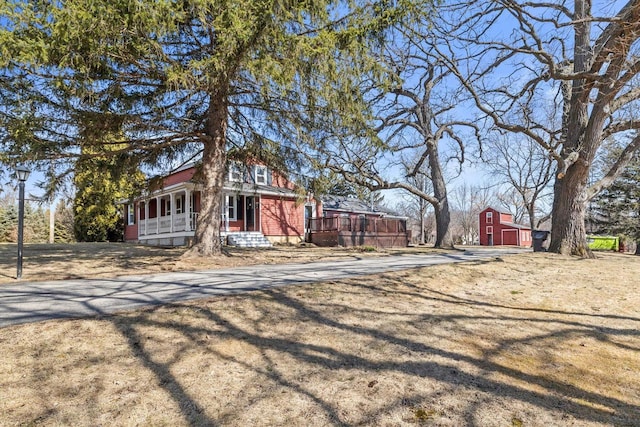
[362, 225]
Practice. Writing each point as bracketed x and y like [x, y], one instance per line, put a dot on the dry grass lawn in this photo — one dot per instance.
[525, 340]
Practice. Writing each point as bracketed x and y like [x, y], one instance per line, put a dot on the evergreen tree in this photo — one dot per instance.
[101, 180]
[182, 79]
[35, 224]
[64, 223]
[8, 223]
[36, 229]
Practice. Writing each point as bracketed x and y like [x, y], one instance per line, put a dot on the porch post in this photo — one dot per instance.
[225, 213]
[146, 216]
[244, 213]
[257, 210]
[187, 209]
[158, 212]
[136, 206]
[172, 211]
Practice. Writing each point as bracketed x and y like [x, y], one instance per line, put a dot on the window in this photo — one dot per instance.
[179, 204]
[489, 229]
[131, 214]
[231, 207]
[489, 217]
[235, 172]
[261, 175]
[165, 207]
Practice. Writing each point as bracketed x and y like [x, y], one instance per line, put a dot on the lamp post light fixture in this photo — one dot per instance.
[22, 173]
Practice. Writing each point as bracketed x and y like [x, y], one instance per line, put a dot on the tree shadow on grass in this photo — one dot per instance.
[446, 367]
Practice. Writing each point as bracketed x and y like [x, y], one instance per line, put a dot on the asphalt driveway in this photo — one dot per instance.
[27, 302]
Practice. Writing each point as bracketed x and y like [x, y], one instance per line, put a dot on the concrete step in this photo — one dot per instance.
[251, 239]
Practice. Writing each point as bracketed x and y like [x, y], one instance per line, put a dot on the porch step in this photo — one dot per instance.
[251, 239]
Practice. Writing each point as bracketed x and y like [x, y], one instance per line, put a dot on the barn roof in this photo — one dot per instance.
[518, 226]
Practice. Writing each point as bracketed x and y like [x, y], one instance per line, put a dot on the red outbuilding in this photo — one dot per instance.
[497, 228]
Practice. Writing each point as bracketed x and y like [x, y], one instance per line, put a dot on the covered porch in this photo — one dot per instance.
[169, 217]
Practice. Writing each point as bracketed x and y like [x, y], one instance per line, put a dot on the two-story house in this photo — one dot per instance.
[260, 207]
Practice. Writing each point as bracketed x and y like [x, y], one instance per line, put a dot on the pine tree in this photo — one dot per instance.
[64, 223]
[182, 79]
[102, 181]
[36, 229]
[8, 223]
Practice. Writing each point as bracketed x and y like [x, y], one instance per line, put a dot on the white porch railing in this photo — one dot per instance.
[180, 222]
[152, 226]
[167, 224]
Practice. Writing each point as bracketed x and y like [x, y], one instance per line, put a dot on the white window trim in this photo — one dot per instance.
[131, 214]
[489, 229]
[260, 175]
[489, 217]
[235, 172]
[231, 206]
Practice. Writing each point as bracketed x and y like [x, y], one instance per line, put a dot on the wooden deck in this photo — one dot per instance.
[348, 231]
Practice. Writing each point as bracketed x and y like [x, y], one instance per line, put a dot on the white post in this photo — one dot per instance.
[172, 211]
[257, 202]
[158, 212]
[136, 212]
[225, 200]
[187, 209]
[146, 216]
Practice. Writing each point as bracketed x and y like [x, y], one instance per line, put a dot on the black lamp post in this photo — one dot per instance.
[22, 173]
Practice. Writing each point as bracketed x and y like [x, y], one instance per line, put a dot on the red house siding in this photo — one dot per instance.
[130, 230]
[179, 177]
[282, 216]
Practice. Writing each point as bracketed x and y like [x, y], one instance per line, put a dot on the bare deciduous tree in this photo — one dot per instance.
[527, 169]
[415, 121]
[469, 201]
[517, 57]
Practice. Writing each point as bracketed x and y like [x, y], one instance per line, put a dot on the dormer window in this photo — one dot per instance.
[235, 172]
[260, 175]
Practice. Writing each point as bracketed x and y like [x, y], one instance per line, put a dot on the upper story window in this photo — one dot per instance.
[260, 173]
[235, 172]
[489, 217]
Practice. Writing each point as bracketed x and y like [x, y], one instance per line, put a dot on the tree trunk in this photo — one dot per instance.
[637, 252]
[423, 209]
[442, 214]
[568, 233]
[214, 158]
[443, 221]
[531, 210]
